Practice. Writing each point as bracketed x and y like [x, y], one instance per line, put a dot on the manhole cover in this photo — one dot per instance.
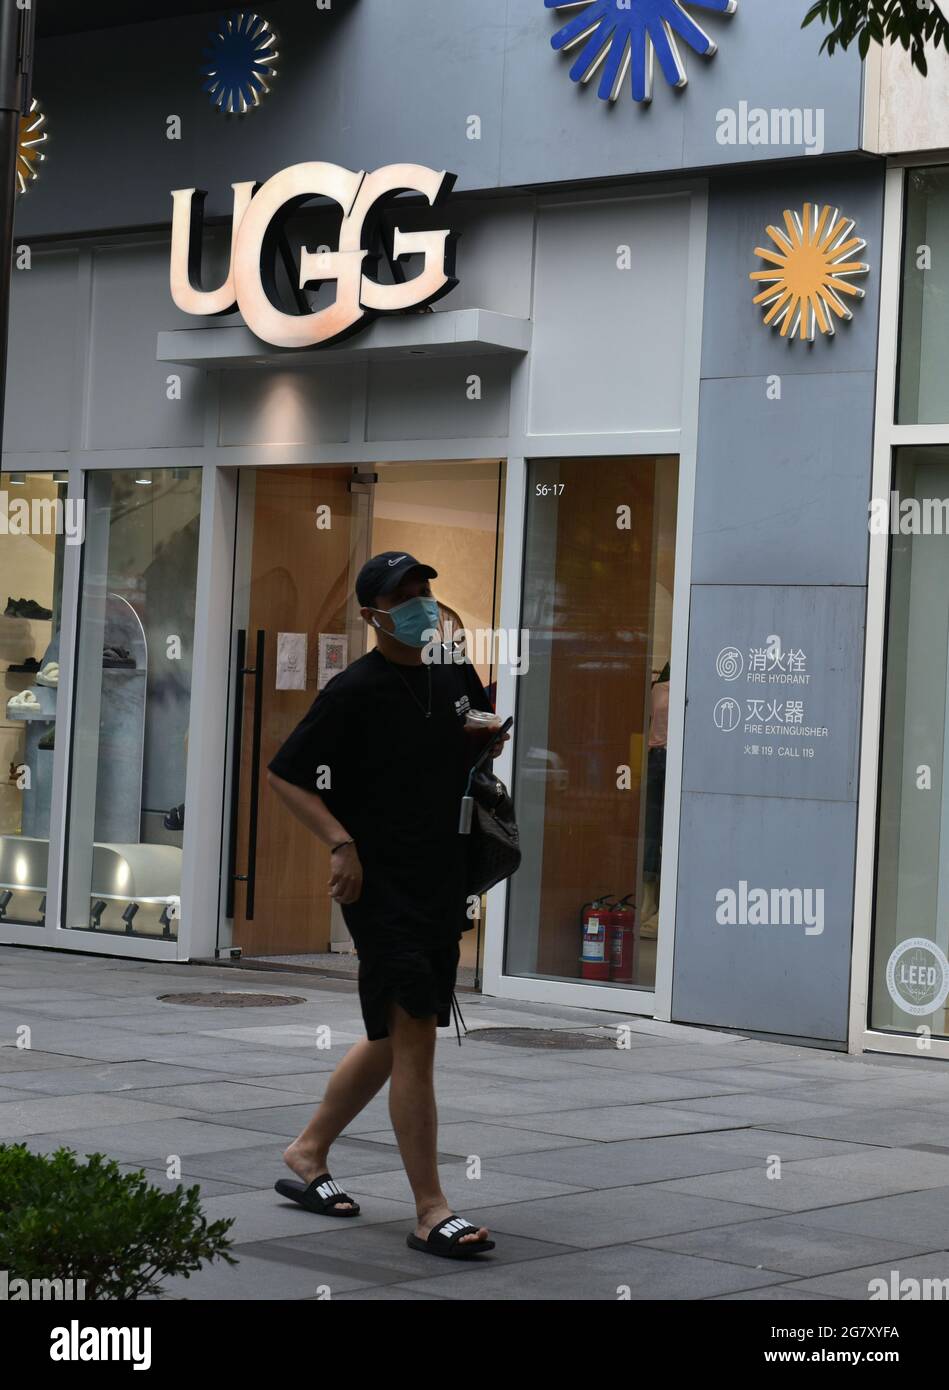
[233, 999]
[554, 1038]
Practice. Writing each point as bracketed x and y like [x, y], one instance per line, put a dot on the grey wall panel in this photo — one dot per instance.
[783, 486]
[774, 718]
[768, 61]
[430, 399]
[42, 362]
[129, 405]
[494, 257]
[736, 341]
[766, 978]
[276, 405]
[608, 342]
[553, 123]
[372, 81]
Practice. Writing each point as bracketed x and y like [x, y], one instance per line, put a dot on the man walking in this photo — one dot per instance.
[390, 731]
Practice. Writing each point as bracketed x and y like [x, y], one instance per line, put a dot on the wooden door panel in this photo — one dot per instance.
[300, 582]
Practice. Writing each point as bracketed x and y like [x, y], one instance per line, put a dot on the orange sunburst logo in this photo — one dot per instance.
[29, 154]
[814, 264]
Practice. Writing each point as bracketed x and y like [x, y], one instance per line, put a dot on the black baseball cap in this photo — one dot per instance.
[385, 572]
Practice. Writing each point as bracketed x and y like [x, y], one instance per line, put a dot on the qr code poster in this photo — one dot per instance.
[334, 657]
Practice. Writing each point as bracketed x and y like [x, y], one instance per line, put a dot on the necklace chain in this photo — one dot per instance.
[426, 712]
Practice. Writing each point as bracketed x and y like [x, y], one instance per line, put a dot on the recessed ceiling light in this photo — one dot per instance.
[144, 482]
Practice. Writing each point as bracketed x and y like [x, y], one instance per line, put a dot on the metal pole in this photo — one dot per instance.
[17, 29]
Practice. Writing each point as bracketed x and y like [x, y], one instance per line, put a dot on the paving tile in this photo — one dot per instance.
[758, 1077]
[251, 1281]
[777, 1293]
[763, 1109]
[895, 1127]
[624, 1122]
[763, 1143]
[15, 1061]
[855, 1283]
[102, 1077]
[259, 1165]
[613, 1216]
[636, 1088]
[622, 1163]
[668, 1057]
[493, 1188]
[793, 1191]
[49, 1114]
[785, 1244]
[23, 1092]
[311, 1084]
[215, 1096]
[915, 1218]
[488, 1140]
[290, 1035]
[922, 1093]
[390, 1293]
[151, 1141]
[621, 1271]
[289, 1120]
[880, 1172]
[266, 1215]
[379, 1251]
[210, 1187]
[237, 1060]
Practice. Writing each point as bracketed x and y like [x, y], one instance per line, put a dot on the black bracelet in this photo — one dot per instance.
[342, 845]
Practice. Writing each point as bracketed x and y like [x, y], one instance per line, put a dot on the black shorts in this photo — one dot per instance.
[420, 978]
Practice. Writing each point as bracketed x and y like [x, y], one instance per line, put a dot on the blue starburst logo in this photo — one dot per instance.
[241, 57]
[616, 36]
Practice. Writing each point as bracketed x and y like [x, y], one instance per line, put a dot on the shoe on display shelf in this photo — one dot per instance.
[26, 700]
[49, 674]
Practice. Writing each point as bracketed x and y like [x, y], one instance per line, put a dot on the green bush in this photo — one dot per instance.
[67, 1219]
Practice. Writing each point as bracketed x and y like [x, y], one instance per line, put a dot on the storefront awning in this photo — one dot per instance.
[455, 333]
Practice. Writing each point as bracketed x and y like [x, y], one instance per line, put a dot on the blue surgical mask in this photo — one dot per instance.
[415, 621]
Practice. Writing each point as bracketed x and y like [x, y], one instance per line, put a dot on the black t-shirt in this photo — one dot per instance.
[395, 781]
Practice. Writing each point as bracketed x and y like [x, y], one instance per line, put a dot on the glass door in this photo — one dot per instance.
[302, 536]
[306, 533]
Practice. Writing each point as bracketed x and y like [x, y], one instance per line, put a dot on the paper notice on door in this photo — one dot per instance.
[334, 657]
[291, 661]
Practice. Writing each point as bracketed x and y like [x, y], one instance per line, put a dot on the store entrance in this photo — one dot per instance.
[302, 536]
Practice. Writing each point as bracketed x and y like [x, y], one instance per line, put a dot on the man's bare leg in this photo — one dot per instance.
[414, 1117]
[361, 1074]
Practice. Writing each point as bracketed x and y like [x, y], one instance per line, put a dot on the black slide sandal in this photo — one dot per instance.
[445, 1240]
[321, 1196]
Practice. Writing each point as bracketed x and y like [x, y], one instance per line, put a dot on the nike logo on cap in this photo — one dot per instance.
[396, 561]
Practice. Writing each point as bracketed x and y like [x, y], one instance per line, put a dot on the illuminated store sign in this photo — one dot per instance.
[260, 213]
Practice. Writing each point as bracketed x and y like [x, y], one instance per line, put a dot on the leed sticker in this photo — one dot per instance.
[917, 976]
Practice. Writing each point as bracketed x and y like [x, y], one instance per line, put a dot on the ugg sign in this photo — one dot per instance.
[257, 230]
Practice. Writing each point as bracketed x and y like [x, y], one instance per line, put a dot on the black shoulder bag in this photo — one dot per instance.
[487, 815]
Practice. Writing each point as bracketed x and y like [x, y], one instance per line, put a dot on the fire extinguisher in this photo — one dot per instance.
[594, 924]
[622, 940]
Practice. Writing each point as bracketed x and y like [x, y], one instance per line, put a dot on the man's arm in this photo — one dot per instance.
[345, 883]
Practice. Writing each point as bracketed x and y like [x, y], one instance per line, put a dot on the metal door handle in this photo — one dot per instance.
[250, 877]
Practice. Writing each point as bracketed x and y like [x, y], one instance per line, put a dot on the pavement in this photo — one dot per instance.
[690, 1164]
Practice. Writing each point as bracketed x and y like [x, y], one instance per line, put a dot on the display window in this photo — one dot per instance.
[33, 535]
[128, 796]
[592, 720]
